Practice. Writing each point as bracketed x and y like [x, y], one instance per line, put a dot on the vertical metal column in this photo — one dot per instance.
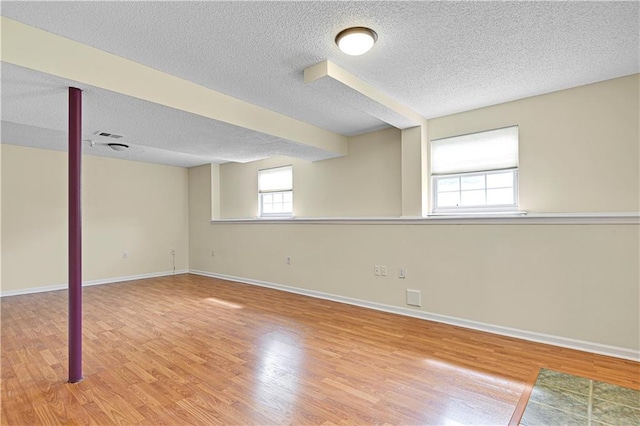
[75, 235]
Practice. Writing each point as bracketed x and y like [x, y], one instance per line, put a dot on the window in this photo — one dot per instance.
[476, 172]
[275, 192]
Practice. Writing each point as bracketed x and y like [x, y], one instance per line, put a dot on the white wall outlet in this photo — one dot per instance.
[402, 273]
[213, 253]
[173, 252]
[125, 254]
[376, 270]
[414, 298]
[383, 270]
[288, 260]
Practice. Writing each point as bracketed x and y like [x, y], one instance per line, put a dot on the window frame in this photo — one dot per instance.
[497, 208]
[470, 162]
[261, 194]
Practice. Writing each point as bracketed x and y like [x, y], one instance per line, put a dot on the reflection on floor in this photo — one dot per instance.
[559, 398]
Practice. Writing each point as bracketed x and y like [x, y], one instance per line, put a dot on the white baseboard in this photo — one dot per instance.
[64, 286]
[565, 342]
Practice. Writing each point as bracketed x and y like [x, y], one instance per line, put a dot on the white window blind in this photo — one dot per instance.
[275, 192]
[274, 180]
[490, 150]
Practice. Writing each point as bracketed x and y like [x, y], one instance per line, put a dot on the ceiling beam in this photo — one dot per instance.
[42, 51]
[414, 149]
[392, 112]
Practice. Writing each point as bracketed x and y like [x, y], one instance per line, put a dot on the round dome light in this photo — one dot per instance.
[356, 41]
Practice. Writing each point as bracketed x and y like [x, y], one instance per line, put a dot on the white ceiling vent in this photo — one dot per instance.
[109, 135]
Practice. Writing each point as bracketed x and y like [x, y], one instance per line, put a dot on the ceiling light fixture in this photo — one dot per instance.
[356, 40]
[118, 146]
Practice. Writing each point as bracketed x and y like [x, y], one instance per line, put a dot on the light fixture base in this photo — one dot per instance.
[118, 146]
[355, 41]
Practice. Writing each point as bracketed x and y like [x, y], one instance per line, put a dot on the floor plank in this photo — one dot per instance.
[197, 350]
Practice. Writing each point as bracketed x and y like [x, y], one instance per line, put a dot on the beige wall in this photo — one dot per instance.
[0, 218]
[366, 182]
[579, 148]
[200, 210]
[413, 151]
[578, 153]
[138, 207]
[574, 281]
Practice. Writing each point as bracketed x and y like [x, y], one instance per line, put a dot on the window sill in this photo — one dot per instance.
[521, 218]
[273, 218]
[478, 214]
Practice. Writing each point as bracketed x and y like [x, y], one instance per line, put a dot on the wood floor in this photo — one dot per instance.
[194, 350]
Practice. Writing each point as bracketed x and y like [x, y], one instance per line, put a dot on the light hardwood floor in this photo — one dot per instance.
[195, 350]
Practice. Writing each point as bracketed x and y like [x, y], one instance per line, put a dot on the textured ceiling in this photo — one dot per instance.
[34, 113]
[37, 137]
[436, 58]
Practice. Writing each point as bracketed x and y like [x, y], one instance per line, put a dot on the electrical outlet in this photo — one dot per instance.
[173, 252]
[376, 270]
[288, 260]
[402, 273]
[213, 253]
[125, 254]
[383, 270]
